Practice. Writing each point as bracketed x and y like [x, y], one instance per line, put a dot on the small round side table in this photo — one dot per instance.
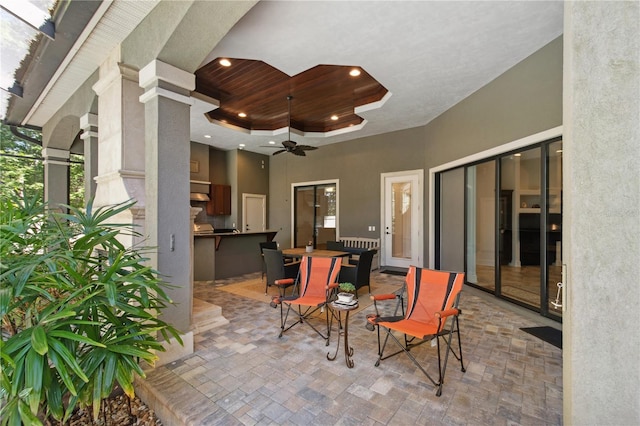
[337, 309]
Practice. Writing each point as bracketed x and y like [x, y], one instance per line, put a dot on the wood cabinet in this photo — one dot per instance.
[220, 200]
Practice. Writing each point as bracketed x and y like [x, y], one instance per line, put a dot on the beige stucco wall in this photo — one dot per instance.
[357, 165]
[523, 101]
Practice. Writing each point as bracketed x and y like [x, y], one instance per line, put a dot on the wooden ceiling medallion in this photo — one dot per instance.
[260, 91]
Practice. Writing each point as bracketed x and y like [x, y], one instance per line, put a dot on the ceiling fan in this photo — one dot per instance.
[289, 145]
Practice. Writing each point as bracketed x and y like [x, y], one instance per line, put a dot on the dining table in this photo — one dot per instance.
[299, 252]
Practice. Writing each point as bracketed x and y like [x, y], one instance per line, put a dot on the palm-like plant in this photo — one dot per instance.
[79, 310]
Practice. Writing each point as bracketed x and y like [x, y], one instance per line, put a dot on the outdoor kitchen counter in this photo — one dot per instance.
[229, 254]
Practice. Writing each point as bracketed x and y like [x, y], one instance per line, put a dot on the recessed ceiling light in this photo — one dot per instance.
[207, 136]
[242, 145]
[242, 114]
[272, 142]
[225, 62]
[334, 117]
[354, 72]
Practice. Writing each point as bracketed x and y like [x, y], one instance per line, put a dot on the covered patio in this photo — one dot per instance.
[241, 373]
[119, 86]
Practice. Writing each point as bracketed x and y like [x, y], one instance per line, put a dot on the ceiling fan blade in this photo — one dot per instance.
[306, 147]
[289, 144]
[299, 152]
[279, 152]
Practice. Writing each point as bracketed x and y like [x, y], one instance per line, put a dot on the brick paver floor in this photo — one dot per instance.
[241, 373]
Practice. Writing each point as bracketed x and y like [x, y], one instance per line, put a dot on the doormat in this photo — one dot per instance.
[393, 272]
[548, 334]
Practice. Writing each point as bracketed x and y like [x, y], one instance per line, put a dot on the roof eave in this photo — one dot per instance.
[46, 55]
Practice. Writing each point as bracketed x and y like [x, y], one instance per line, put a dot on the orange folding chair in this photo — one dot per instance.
[314, 286]
[432, 297]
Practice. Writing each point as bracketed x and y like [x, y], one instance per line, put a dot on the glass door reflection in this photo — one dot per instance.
[315, 215]
[520, 176]
[554, 228]
[481, 225]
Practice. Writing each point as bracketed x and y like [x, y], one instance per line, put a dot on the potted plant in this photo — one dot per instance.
[346, 292]
[79, 310]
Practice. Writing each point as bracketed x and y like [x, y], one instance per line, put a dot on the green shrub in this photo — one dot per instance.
[79, 310]
[347, 288]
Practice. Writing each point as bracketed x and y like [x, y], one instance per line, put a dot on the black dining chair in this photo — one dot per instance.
[335, 245]
[277, 268]
[360, 273]
[271, 245]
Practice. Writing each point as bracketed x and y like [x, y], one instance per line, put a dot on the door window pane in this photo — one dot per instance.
[520, 269]
[554, 227]
[481, 225]
[451, 232]
[315, 215]
[401, 220]
[304, 217]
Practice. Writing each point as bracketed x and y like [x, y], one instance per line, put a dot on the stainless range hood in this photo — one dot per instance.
[198, 196]
[199, 190]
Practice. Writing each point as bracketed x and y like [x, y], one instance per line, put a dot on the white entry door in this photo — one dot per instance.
[402, 234]
[254, 212]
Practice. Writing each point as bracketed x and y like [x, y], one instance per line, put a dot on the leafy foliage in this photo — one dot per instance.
[22, 168]
[347, 287]
[79, 310]
[21, 165]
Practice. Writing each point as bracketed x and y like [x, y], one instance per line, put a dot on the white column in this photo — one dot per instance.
[121, 152]
[56, 176]
[89, 126]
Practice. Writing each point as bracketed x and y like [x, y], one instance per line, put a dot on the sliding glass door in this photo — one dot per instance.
[512, 223]
[315, 214]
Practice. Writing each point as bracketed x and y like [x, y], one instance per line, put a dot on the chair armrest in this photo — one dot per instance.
[293, 264]
[332, 286]
[284, 281]
[383, 297]
[447, 313]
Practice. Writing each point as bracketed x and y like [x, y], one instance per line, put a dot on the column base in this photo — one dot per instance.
[174, 351]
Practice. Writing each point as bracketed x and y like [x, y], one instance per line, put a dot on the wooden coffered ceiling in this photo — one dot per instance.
[260, 91]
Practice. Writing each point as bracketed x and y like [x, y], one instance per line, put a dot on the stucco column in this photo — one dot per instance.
[89, 126]
[56, 176]
[167, 211]
[601, 248]
[120, 175]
